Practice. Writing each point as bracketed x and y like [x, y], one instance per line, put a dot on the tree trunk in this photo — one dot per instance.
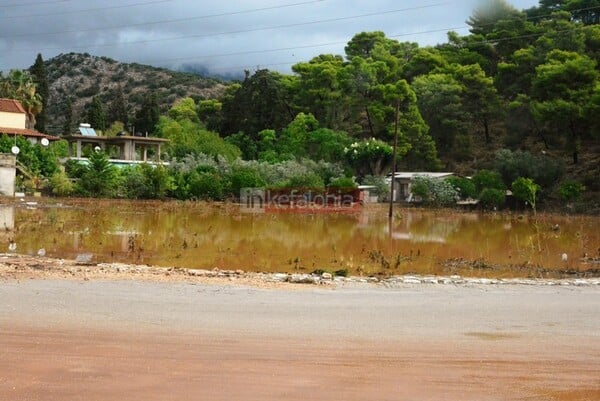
[369, 122]
[576, 142]
[486, 130]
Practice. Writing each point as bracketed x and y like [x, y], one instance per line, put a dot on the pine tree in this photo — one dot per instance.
[117, 110]
[147, 117]
[38, 73]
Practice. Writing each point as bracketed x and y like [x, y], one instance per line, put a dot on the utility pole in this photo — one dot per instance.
[394, 155]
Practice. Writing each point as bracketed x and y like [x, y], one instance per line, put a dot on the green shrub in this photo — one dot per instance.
[488, 179]
[571, 191]
[343, 182]
[492, 198]
[99, 177]
[61, 185]
[244, 177]
[526, 190]
[464, 186]
[146, 182]
[434, 191]
[305, 180]
[540, 168]
[206, 186]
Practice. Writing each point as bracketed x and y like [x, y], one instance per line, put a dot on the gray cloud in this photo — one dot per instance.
[219, 35]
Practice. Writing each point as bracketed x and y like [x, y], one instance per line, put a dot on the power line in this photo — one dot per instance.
[167, 21]
[328, 43]
[230, 32]
[33, 4]
[86, 10]
[246, 52]
[489, 41]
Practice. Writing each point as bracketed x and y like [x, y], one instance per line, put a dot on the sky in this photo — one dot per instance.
[223, 37]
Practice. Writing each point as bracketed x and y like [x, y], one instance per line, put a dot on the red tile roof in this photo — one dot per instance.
[11, 106]
[27, 132]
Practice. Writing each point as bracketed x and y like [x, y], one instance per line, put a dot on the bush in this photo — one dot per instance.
[540, 168]
[61, 185]
[99, 177]
[244, 177]
[306, 180]
[147, 182]
[571, 191]
[488, 179]
[464, 186]
[206, 186]
[526, 189]
[343, 182]
[492, 198]
[434, 191]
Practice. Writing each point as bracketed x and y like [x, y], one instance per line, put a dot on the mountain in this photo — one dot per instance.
[80, 77]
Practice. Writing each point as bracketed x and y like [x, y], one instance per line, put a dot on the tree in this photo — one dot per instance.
[38, 74]
[320, 91]
[486, 16]
[488, 179]
[259, 103]
[369, 157]
[209, 112]
[406, 126]
[439, 97]
[479, 96]
[117, 109]
[464, 186]
[99, 177]
[147, 116]
[19, 85]
[190, 138]
[563, 90]
[526, 189]
[95, 114]
[184, 109]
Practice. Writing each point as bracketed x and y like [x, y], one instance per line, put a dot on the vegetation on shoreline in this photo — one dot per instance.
[518, 97]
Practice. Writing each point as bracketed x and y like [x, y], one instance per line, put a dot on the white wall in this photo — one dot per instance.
[7, 174]
[12, 120]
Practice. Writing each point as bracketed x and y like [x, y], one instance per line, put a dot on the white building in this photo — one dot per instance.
[403, 181]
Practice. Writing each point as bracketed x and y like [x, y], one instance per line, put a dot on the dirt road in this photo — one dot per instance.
[130, 340]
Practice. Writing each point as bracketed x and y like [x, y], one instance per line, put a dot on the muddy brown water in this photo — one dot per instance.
[207, 236]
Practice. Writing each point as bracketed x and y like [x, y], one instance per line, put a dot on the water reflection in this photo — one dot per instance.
[207, 236]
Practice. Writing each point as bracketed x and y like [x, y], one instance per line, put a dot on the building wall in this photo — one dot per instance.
[7, 174]
[12, 120]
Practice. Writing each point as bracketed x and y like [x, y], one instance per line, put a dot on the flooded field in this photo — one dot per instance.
[201, 235]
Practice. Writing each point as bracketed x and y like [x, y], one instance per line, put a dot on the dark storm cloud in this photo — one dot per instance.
[223, 36]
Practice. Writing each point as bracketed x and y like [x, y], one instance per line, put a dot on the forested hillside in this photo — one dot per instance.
[75, 79]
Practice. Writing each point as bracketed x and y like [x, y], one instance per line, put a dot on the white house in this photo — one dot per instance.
[12, 123]
[13, 119]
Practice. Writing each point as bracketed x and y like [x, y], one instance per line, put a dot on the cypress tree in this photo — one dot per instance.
[117, 110]
[38, 73]
[147, 117]
[96, 116]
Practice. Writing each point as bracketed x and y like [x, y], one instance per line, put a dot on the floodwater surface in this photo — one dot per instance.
[207, 236]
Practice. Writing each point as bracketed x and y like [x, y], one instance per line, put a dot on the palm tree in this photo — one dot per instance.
[19, 85]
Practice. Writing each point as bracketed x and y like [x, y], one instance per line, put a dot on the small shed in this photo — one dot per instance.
[403, 180]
